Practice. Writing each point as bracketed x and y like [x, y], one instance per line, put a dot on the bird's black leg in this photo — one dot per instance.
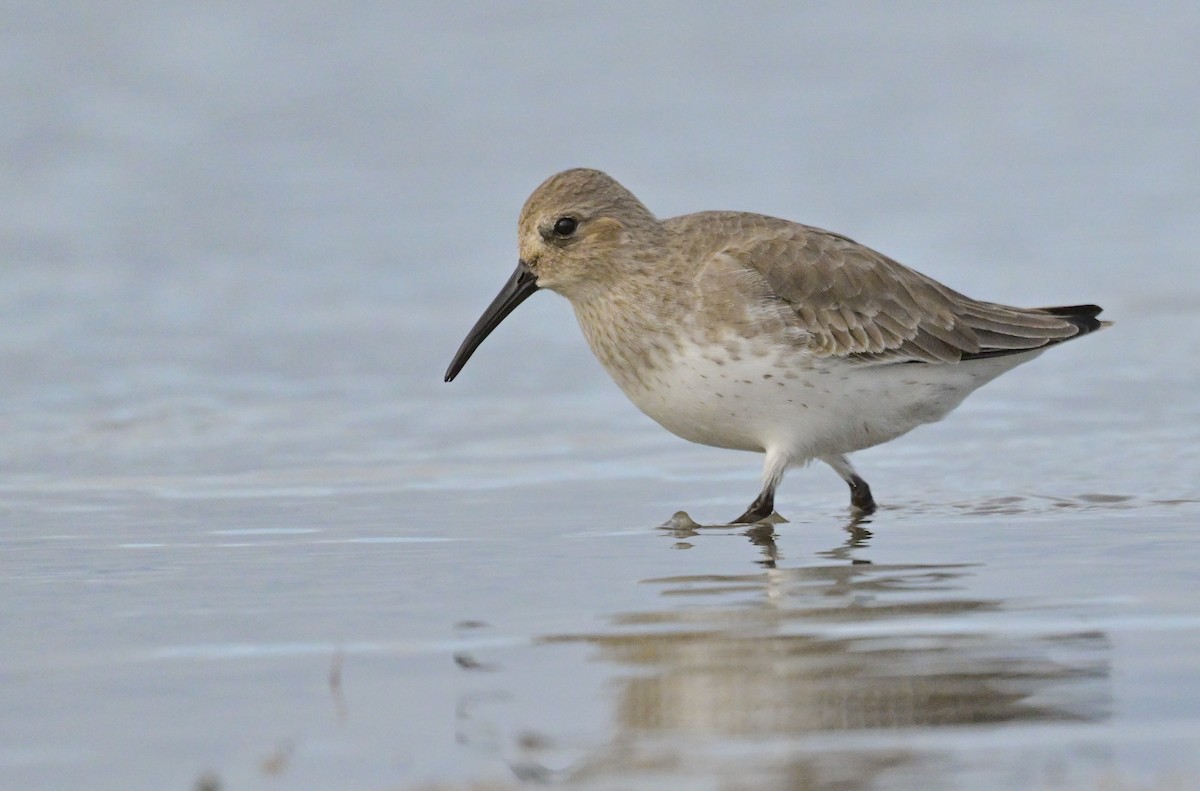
[762, 507]
[860, 495]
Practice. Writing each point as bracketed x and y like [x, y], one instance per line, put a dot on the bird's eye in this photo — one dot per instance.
[565, 226]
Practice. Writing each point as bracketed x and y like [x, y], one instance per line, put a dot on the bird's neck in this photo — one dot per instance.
[634, 328]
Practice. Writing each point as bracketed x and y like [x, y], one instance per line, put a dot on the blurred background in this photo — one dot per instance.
[239, 244]
[208, 200]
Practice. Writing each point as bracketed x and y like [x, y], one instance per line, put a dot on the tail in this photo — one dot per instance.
[1081, 317]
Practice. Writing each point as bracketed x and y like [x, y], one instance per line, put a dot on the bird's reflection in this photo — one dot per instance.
[763, 534]
[766, 660]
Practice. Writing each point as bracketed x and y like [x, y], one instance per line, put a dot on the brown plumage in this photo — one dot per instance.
[855, 302]
[750, 332]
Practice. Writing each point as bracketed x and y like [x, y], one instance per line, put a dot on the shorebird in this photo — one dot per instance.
[749, 332]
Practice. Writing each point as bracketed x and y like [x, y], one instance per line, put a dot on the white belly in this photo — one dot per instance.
[735, 395]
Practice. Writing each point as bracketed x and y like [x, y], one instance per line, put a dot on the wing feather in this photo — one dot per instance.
[851, 301]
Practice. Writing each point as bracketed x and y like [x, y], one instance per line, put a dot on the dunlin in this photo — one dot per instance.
[754, 333]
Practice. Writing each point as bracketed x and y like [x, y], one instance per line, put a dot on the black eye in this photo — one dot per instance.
[565, 226]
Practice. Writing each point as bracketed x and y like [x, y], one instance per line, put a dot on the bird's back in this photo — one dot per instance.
[852, 302]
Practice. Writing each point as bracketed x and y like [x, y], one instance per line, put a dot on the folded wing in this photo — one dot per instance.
[855, 302]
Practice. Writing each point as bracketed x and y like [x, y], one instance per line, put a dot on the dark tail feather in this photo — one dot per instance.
[1082, 317]
[1091, 311]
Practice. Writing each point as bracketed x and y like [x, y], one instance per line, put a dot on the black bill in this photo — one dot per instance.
[518, 288]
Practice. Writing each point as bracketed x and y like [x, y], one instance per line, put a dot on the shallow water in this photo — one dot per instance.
[249, 538]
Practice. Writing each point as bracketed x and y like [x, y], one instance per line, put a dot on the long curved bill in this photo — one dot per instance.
[518, 289]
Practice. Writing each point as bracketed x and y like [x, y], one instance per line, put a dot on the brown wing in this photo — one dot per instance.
[855, 302]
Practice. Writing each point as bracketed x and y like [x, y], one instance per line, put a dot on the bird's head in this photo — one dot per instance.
[578, 234]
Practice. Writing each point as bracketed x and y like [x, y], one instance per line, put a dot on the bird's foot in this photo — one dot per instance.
[752, 517]
[861, 501]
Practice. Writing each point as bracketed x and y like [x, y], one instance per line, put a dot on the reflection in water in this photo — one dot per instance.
[755, 675]
[762, 534]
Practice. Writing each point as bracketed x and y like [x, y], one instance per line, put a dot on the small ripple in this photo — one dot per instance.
[266, 531]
